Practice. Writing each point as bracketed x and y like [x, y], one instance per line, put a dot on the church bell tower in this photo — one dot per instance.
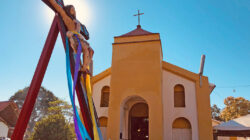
[136, 78]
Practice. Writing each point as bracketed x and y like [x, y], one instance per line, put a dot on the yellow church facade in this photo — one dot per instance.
[142, 97]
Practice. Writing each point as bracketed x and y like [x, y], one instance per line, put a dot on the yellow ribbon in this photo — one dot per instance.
[90, 101]
[75, 32]
[91, 107]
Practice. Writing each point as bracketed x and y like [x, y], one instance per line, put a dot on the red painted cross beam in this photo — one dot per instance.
[83, 31]
[60, 2]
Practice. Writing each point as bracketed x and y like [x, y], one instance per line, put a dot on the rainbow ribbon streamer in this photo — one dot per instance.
[96, 129]
[80, 130]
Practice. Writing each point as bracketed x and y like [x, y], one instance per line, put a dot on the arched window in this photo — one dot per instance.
[105, 96]
[181, 123]
[181, 129]
[103, 121]
[179, 96]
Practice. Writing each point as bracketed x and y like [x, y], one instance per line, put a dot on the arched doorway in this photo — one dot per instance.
[181, 129]
[138, 122]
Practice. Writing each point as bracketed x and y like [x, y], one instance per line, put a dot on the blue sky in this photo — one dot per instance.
[220, 29]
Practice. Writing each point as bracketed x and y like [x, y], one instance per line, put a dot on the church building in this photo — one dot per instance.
[142, 97]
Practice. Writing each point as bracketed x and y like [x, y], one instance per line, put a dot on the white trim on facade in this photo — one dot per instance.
[97, 90]
[170, 113]
[3, 130]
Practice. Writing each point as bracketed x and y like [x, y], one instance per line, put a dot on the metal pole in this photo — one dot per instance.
[202, 68]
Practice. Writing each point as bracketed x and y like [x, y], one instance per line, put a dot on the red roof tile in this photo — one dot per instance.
[137, 31]
[9, 112]
[4, 104]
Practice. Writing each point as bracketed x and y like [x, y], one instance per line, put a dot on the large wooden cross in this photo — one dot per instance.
[56, 27]
[84, 30]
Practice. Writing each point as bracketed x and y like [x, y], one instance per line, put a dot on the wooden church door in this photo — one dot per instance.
[139, 122]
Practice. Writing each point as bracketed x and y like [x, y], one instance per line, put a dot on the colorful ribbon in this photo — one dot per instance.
[79, 128]
[97, 134]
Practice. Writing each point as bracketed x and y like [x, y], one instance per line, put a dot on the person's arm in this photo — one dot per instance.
[60, 10]
[70, 34]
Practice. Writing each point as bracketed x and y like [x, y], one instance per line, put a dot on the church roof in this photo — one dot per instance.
[101, 75]
[166, 66]
[137, 31]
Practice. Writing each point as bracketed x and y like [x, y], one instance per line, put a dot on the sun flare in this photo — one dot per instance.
[83, 11]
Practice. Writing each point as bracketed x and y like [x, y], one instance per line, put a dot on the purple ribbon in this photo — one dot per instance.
[77, 67]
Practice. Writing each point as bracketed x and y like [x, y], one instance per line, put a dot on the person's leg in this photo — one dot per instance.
[73, 44]
[70, 34]
[85, 56]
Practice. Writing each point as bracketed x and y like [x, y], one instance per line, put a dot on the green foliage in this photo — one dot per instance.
[54, 126]
[216, 113]
[235, 107]
[41, 106]
[61, 107]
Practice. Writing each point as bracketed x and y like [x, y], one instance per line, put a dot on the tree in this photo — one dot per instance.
[216, 113]
[235, 107]
[61, 107]
[54, 126]
[41, 106]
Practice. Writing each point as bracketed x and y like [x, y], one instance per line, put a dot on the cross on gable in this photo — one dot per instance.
[83, 31]
[138, 16]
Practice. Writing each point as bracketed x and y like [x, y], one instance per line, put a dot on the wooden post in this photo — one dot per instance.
[36, 82]
[215, 136]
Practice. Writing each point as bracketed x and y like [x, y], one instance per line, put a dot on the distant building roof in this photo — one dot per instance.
[137, 31]
[215, 122]
[242, 123]
[4, 104]
[9, 112]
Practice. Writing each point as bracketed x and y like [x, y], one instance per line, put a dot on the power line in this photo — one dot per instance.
[218, 94]
[238, 86]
